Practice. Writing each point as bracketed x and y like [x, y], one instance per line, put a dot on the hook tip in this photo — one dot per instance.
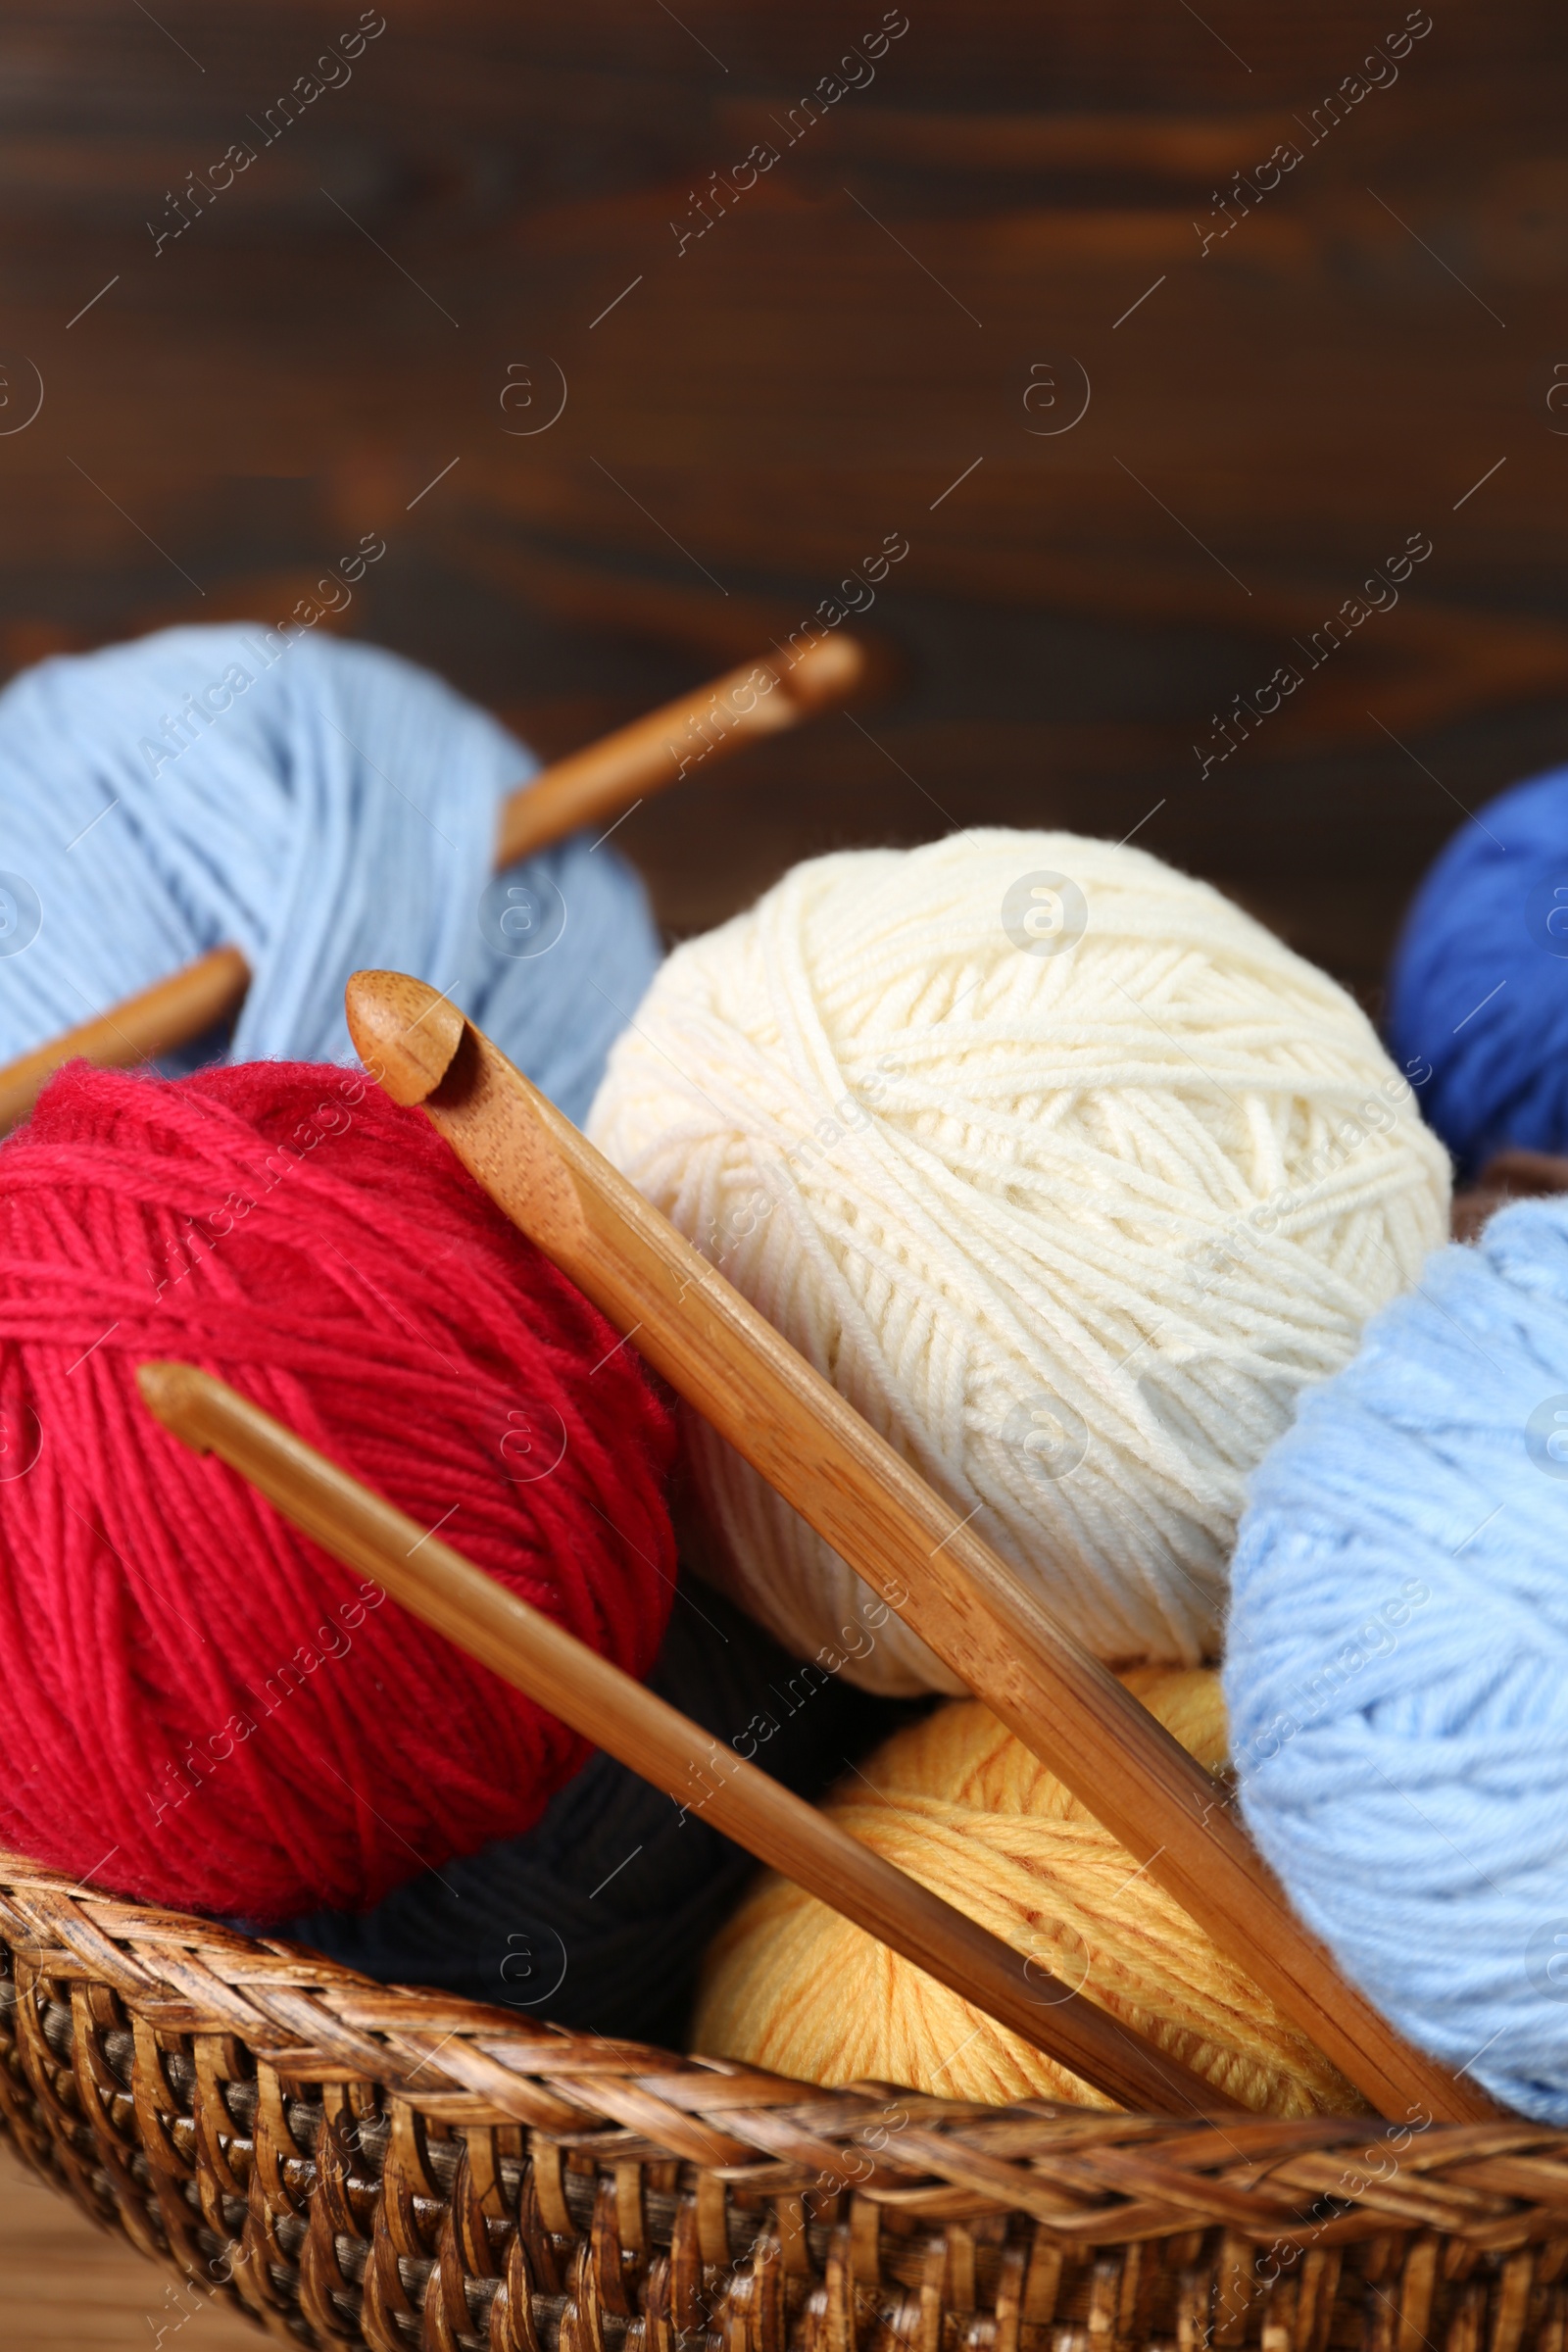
[404, 1031]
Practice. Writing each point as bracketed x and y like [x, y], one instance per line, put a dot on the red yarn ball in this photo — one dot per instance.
[197, 1705]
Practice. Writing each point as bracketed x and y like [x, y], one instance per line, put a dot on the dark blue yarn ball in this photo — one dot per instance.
[1479, 990]
[599, 1918]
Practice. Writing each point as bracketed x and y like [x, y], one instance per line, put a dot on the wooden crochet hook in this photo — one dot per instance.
[696, 1770]
[862, 1498]
[761, 697]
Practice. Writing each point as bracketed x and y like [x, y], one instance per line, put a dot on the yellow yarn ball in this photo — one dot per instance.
[964, 1807]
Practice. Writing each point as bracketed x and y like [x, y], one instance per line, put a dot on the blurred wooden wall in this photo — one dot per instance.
[887, 331]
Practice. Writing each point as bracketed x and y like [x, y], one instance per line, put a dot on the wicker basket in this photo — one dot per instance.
[356, 2166]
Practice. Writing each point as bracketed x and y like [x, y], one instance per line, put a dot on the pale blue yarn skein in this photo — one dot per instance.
[1397, 1666]
[339, 812]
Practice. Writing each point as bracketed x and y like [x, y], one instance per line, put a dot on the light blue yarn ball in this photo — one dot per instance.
[335, 808]
[1397, 1665]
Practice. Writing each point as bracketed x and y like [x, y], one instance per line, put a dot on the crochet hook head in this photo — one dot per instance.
[405, 1033]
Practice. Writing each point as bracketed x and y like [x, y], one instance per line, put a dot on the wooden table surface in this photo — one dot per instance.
[65, 2287]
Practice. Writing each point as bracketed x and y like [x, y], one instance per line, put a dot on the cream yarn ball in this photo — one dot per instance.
[1065, 1171]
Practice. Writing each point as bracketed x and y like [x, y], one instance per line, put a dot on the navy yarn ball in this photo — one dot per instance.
[1479, 989]
[599, 1918]
[1396, 1671]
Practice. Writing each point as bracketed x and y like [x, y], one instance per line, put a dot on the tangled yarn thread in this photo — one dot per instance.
[1479, 990]
[1398, 1662]
[968, 1811]
[197, 1705]
[321, 807]
[1065, 1171]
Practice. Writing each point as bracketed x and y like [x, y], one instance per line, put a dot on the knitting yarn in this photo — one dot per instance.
[1398, 1662]
[198, 1706]
[1478, 996]
[1064, 1170]
[321, 805]
[966, 1809]
[597, 1918]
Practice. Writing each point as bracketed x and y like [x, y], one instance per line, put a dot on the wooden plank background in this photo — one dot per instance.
[852, 334]
[886, 332]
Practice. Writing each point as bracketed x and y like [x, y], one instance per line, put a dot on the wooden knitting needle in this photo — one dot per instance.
[608, 1707]
[761, 697]
[876, 1513]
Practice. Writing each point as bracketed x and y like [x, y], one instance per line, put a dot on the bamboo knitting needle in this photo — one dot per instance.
[761, 697]
[553, 1668]
[867, 1502]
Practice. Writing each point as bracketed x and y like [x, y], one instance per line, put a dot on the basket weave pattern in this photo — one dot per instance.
[357, 2166]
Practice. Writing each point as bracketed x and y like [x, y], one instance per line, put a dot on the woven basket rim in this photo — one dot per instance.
[1095, 2177]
